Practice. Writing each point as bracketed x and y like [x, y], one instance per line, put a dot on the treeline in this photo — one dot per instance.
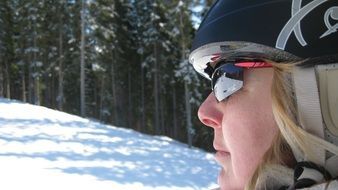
[122, 62]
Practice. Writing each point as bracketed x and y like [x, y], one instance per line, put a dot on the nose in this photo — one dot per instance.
[209, 113]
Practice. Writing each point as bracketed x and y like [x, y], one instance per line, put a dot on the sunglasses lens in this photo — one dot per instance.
[226, 80]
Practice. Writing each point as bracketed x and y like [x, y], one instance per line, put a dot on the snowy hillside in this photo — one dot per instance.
[44, 149]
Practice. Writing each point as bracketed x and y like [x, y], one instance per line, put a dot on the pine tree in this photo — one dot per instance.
[62, 33]
[128, 58]
[103, 23]
[82, 60]
[8, 51]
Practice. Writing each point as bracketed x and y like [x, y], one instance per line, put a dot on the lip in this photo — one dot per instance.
[222, 157]
[219, 148]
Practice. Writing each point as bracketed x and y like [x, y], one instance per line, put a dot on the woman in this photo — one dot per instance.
[273, 66]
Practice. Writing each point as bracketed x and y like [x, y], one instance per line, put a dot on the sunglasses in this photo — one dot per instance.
[227, 77]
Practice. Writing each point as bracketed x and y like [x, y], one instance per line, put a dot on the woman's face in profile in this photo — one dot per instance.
[244, 127]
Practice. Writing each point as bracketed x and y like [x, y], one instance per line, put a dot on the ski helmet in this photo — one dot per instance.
[279, 30]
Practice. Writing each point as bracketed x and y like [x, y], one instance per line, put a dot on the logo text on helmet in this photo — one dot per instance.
[333, 14]
[293, 24]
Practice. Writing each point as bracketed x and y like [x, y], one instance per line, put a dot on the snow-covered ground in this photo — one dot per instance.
[44, 149]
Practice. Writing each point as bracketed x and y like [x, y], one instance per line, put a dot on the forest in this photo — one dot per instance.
[120, 62]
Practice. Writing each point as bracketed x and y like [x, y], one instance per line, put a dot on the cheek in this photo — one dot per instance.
[249, 131]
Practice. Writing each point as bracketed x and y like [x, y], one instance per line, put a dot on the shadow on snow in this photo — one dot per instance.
[153, 161]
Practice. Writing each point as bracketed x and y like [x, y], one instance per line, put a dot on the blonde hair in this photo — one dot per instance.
[290, 134]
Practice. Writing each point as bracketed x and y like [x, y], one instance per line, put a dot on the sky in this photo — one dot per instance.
[196, 20]
[43, 149]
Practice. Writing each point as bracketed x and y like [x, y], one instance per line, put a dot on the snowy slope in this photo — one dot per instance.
[44, 149]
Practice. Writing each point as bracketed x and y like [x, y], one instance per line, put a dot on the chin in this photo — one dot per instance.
[225, 183]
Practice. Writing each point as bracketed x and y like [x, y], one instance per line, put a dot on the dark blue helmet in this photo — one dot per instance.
[275, 29]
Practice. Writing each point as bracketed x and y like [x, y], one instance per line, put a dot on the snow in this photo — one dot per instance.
[43, 149]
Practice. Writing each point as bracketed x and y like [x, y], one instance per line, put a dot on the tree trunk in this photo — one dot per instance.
[188, 114]
[160, 94]
[23, 79]
[60, 98]
[142, 98]
[30, 80]
[37, 91]
[101, 98]
[161, 100]
[186, 88]
[7, 80]
[36, 78]
[94, 109]
[53, 96]
[82, 72]
[174, 113]
[130, 105]
[1, 82]
[157, 122]
[7, 14]
[113, 83]
[162, 108]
